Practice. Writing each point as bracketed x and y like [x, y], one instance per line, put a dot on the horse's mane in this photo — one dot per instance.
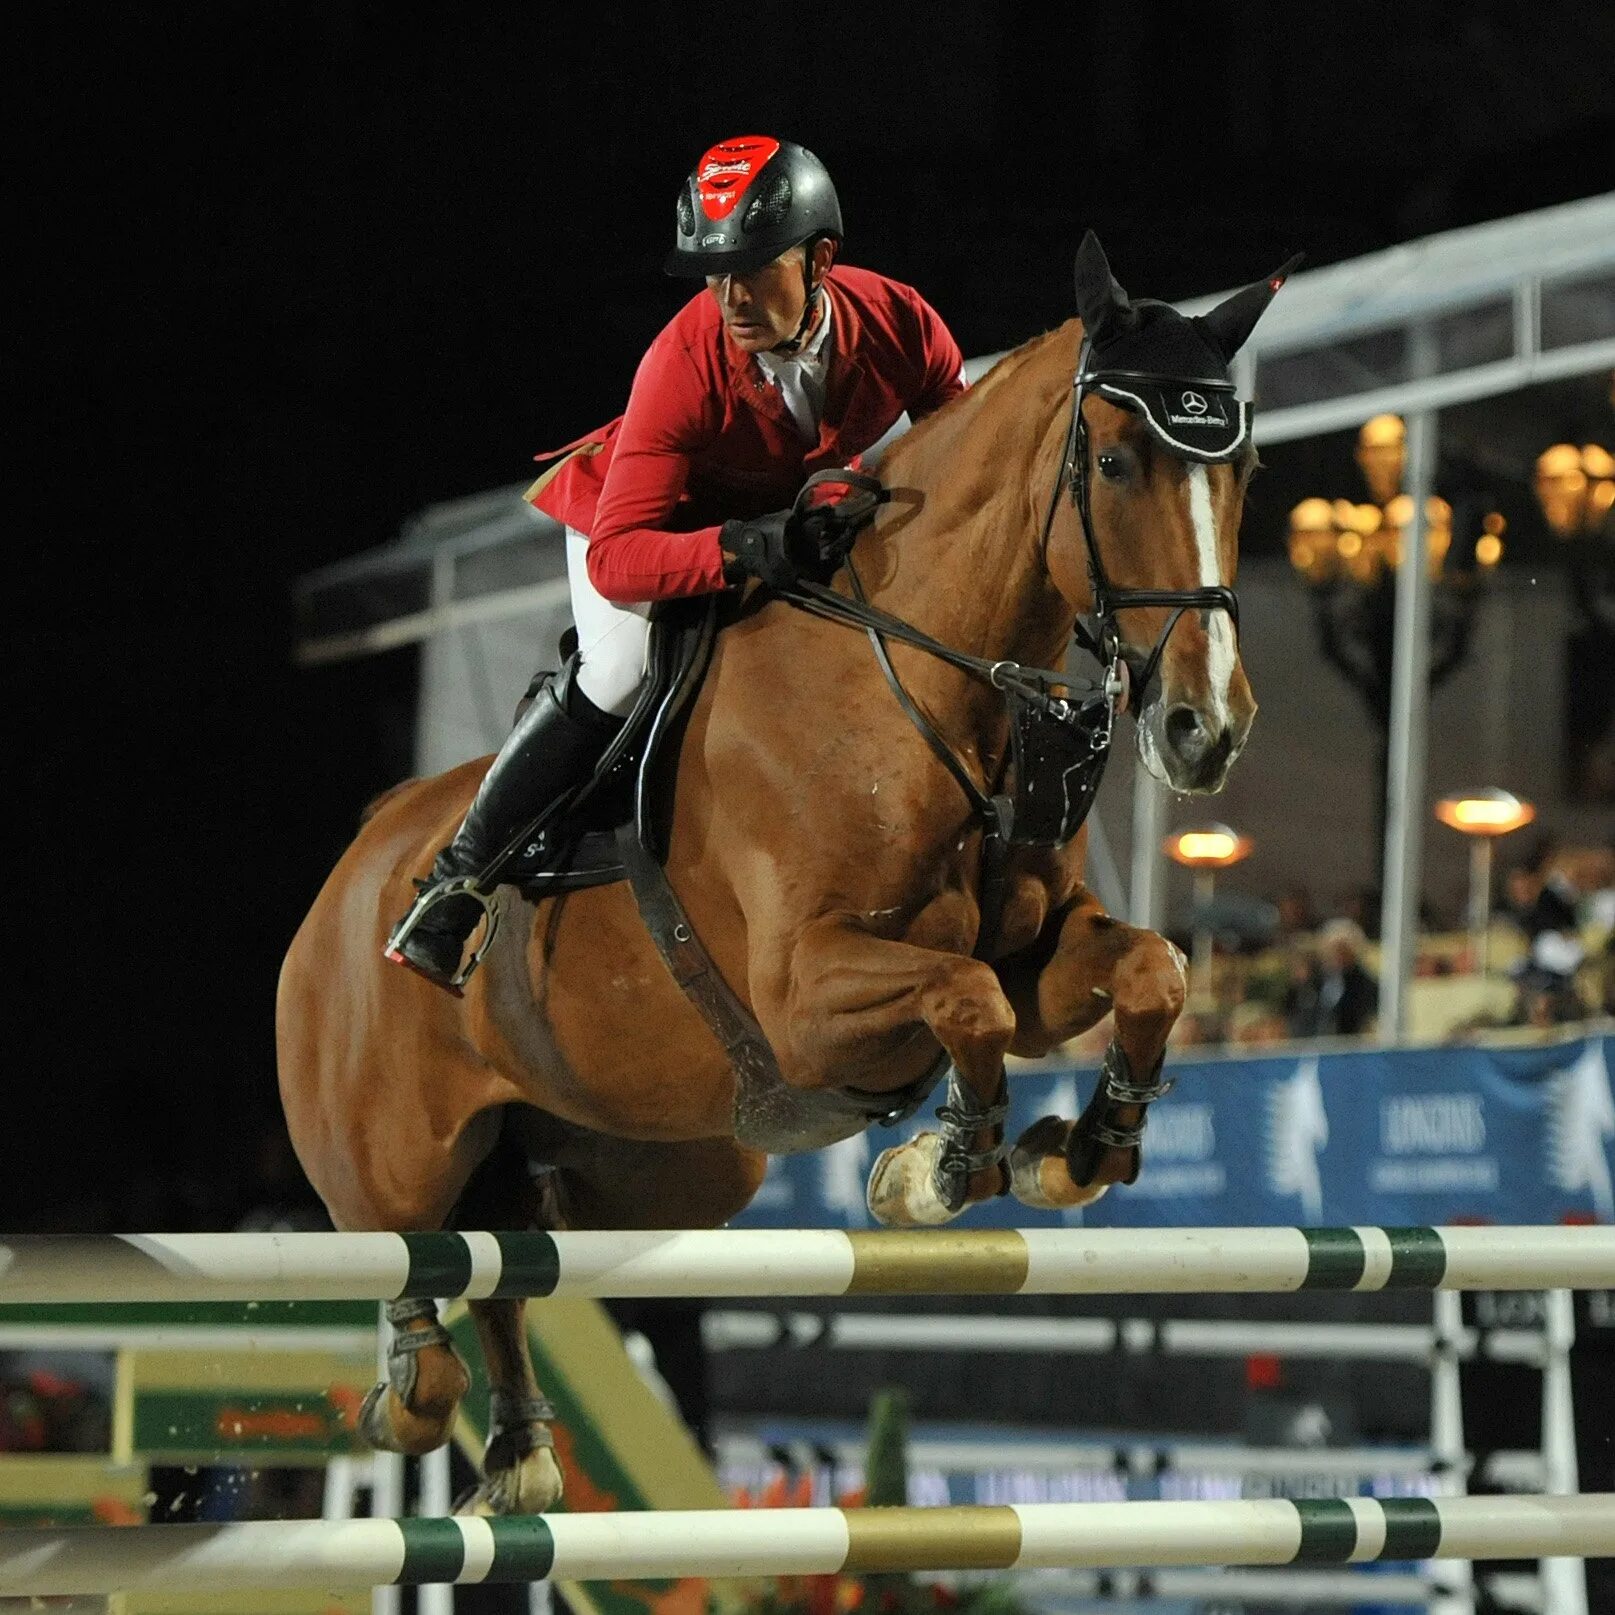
[954, 414]
[376, 804]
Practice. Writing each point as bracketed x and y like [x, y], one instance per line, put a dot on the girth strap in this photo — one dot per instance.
[995, 847]
[734, 1026]
[690, 963]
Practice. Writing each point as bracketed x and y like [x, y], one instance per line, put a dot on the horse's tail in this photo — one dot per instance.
[376, 804]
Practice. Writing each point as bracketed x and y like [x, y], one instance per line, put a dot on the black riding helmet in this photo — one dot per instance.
[749, 200]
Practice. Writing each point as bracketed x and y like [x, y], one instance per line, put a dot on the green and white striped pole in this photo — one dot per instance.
[770, 1542]
[798, 1262]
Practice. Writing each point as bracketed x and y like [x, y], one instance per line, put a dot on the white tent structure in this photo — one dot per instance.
[1458, 317]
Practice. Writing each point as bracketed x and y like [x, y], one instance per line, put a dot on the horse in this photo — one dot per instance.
[824, 851]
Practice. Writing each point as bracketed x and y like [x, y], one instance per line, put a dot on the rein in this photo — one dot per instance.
[1034, 686]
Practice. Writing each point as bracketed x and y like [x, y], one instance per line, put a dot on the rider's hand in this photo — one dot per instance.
[774, 548]
[831, 534]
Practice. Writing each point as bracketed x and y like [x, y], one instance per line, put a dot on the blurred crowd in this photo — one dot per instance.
[1286, 971]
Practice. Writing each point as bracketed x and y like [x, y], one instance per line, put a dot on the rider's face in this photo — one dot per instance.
[764, 308]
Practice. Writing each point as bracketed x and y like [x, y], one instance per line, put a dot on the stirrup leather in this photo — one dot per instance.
[429, 897]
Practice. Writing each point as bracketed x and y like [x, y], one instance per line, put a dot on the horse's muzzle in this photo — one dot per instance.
[1191, 751]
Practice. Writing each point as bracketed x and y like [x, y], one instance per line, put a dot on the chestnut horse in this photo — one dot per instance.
[830, 864]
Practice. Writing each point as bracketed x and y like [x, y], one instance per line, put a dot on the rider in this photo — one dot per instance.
[789, 365]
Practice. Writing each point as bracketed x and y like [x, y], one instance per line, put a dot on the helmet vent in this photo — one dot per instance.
[686, 213]
[770, 207]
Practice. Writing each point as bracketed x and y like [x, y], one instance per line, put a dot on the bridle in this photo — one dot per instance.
[1103, 641]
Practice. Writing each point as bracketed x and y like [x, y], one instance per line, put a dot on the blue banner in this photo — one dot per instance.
[1511, 1134]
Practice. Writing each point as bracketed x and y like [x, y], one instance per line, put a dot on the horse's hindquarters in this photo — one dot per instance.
[382, 1095]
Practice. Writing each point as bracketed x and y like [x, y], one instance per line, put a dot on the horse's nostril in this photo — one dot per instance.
[1186, 734]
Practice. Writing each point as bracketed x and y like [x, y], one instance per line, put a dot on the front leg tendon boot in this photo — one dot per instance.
[550, 753]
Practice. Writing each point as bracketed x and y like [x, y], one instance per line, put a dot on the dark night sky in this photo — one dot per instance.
[291, 272]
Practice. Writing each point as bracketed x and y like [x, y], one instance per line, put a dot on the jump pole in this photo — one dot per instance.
[770, 1542]
[128, 1268]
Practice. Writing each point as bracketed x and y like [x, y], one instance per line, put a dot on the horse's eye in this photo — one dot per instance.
[1112, 466]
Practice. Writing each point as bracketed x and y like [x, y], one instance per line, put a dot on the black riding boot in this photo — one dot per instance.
[552, 750]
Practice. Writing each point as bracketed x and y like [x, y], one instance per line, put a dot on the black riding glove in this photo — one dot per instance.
[831, 531]
[773, 548]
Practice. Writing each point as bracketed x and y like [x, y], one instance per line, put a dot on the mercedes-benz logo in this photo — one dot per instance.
[1194, 403]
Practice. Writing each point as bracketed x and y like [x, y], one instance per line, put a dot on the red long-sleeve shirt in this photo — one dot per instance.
[706, 436]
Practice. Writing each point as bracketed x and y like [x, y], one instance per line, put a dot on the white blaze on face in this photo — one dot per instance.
[1219, 630]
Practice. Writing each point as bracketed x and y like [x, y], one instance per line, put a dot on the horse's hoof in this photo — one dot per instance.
[902, 1186]
[531, 1487]
[1038, 1175]
[385, 1424]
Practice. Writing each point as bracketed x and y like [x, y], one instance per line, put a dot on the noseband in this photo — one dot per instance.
[1103, 639]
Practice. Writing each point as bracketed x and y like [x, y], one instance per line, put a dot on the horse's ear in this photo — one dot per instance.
[1101, 302]
[1231, 322]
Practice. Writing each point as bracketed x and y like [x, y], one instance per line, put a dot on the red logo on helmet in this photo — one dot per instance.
[724, 172]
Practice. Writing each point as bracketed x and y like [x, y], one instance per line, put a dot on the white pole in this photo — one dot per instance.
[1404, 777]
[1480, 903]
[692, 1263]
[1200, 968]
[1564, 1581]
[436, 1499]
[1149, 817]
[386, 1478]
[1457, 1579]
[339, 1488]
[1101, 874]
[656, 1546]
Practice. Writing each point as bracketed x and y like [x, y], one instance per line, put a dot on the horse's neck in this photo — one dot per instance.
[958, 553]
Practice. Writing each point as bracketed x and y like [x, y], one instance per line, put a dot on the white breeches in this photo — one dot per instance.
[611, 639]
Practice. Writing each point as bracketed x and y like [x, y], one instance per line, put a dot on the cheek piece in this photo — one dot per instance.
[1174, 373]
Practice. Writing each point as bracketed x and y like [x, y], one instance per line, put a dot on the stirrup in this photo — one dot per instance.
[428, 899]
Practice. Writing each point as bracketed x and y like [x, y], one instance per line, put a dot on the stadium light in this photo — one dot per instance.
[1483, 816]
[1205, 850]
